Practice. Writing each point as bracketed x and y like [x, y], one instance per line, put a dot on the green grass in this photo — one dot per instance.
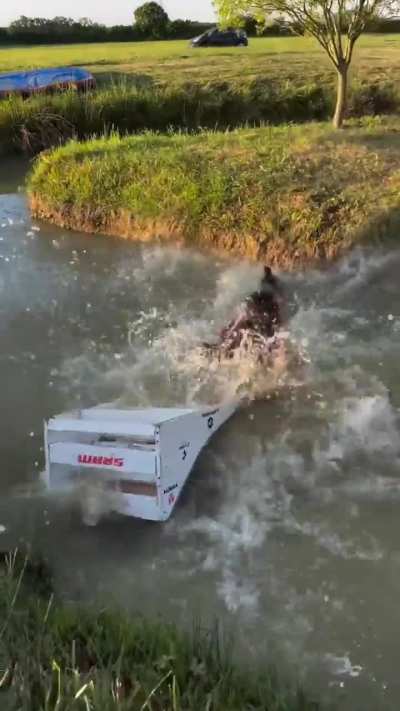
[284, 59]
[163, 85]
[45, 121]
[61, 657]
[286, 194]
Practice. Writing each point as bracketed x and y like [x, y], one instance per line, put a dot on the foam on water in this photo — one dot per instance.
[342, 666]
[368, 424]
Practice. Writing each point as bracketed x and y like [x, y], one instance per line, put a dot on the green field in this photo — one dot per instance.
[167, 85]
[285, 59]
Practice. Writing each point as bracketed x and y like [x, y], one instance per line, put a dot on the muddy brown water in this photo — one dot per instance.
[289, 528]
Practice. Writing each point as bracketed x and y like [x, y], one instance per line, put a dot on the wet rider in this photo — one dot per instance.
[261, 313]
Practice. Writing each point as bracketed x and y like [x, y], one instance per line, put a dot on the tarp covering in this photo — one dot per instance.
[45, 79]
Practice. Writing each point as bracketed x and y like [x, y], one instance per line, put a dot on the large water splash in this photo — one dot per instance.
[161, 361]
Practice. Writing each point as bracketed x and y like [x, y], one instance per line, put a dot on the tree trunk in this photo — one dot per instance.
[341, 101]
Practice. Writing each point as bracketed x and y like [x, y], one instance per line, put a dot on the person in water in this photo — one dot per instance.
[260, 314]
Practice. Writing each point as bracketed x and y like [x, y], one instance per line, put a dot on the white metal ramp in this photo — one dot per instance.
[142, 457]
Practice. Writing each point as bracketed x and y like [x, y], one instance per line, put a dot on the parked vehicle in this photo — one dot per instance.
[221, 38]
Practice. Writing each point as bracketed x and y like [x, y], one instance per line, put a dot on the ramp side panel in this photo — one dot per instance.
[181, 442]
[164, 460]
[133, 462]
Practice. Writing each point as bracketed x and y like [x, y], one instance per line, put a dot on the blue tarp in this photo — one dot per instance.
[44, 79]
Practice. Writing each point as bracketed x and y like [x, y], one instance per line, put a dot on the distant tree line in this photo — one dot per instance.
[40, 30]
[151, 22]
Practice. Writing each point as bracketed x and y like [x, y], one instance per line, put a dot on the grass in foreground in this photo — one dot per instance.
[58, 657]
[286, 194]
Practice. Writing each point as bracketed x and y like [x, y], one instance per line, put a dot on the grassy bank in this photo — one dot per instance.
[285, 194]
[159, 85]
[58, 656]
[41, 122]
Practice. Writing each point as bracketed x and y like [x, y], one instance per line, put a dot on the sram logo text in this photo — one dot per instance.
[100, 461]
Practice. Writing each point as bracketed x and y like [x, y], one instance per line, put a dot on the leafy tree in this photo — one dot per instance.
[335, 24]
[151, 20]
[41, 30]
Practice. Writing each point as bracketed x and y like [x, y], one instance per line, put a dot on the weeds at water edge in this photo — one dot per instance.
[58, 656]
[44, 121]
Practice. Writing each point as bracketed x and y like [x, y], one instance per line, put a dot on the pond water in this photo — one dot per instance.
[288, 529]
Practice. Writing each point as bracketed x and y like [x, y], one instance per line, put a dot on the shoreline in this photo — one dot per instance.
[124, 226]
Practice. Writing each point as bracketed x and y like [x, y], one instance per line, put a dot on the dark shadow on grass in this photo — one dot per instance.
[101, 62]
[125, 79]
[384, 229]
[387, 141]
[383, 141]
